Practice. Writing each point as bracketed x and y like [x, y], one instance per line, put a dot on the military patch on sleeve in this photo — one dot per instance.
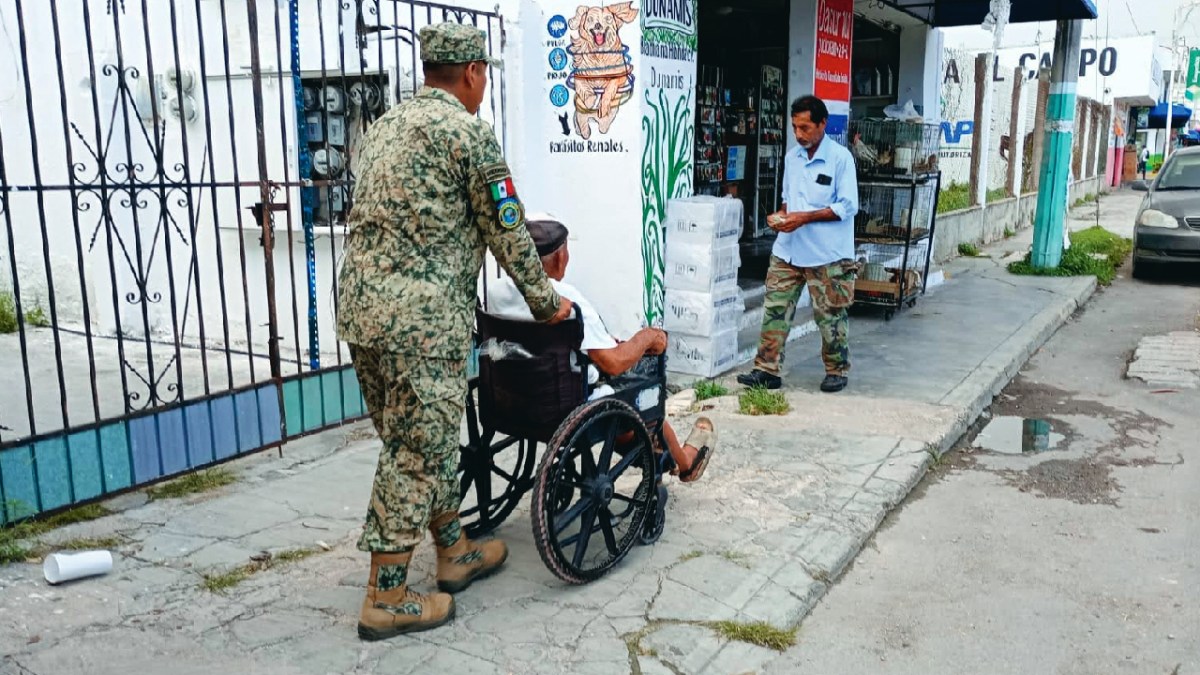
[510, 213]
[494, 173]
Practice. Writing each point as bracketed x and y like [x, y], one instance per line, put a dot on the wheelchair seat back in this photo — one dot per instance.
[529, 397]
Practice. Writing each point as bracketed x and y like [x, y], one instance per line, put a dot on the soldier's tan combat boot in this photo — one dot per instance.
[461, 561]
[391, 608]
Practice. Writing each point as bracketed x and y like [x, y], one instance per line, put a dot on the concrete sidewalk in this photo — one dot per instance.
[785, 506]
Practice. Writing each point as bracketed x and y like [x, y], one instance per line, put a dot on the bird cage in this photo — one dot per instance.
[887, 148]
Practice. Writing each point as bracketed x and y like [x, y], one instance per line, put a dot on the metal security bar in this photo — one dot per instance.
[175, 182]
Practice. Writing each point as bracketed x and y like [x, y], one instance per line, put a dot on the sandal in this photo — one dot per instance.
[705, 442]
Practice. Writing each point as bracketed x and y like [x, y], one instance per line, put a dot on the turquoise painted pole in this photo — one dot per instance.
[1051, 215]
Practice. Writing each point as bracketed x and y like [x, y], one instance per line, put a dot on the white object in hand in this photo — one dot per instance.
[60, 567]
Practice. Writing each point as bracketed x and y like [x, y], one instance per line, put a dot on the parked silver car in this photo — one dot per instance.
[1167, 229]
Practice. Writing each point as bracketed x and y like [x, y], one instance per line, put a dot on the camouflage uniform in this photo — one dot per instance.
[433, 193]
[832, 291]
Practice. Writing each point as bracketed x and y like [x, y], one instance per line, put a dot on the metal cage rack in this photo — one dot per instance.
[893, 233]
[893, 149]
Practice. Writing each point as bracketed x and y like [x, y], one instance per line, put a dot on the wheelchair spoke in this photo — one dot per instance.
[572, 514]
[610, 445]
[587, 461]
[606, 526]
[586, 527]
[631, 456]
[503, 474]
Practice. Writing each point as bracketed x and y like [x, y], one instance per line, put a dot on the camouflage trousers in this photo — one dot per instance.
[417, 406]
[832, 291]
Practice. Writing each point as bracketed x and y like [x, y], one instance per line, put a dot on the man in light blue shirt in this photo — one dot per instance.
[815, 247]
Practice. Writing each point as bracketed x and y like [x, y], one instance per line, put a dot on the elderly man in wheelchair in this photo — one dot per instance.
[598, 404]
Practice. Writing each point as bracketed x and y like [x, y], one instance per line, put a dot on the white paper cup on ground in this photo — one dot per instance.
[60, 567]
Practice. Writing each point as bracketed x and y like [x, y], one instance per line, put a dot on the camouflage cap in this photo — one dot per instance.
[454, 43]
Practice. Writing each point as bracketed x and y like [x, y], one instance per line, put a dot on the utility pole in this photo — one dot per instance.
[995, 21]
[1175, 40]
[1050, 217]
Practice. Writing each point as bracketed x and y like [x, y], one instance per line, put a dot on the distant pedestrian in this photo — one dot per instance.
[815, 247]
[433, 193]
[1144, 161]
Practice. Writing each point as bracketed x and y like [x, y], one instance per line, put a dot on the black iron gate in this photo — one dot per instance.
[175, 178]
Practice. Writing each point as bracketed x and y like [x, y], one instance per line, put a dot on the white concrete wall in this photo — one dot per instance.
[979, 226]
[801, 54]
[201, 222]
[919, 75]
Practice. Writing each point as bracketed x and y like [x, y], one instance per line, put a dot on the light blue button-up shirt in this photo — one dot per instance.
[819, 244]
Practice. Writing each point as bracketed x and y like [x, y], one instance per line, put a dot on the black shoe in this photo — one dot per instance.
[834, 383]
[759, 379]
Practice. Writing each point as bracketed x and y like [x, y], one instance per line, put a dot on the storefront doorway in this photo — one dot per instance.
[741, 118]
[742, 102]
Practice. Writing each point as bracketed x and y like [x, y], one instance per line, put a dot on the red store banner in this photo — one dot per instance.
[831, 73]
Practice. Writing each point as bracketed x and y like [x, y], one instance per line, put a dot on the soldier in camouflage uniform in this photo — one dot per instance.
[815, 247]
[433, 193]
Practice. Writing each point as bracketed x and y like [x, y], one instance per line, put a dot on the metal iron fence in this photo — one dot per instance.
[175, 179]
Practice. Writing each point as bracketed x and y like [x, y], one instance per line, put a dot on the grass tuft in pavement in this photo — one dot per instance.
[15, 549]
[690, 555]
[759, 401]
[1094, 251]
[294, 555]
[758, 633]
[202, 481]
[80, 514]
[20, 541]
[968, 250]
[736, 557]
[35, 317]
[219, 582]
[90, 543]
[706, 389]
[227, 580]
[8, 313]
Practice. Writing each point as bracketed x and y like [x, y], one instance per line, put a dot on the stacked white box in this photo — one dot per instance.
[694, 313]
[703, 356]
[705, 269]
[704, 221]
[703, 306]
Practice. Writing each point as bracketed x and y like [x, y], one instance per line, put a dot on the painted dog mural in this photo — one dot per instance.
[602, 70]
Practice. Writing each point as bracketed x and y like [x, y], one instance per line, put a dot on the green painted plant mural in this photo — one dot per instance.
[668, 131]
[669, 36]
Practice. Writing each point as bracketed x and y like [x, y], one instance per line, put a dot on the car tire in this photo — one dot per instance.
[1141, 270]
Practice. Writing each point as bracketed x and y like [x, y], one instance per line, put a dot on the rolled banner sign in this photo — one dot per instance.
[61, 567]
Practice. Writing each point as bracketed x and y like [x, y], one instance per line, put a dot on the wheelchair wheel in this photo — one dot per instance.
[592, 496]
[656, 521]
[481, 463]
[494, 502]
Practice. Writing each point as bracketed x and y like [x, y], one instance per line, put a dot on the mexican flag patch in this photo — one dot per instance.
[502, 190]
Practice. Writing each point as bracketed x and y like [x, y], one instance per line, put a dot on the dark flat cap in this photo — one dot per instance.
[548, 234]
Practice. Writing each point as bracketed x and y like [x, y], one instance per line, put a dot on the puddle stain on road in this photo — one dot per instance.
[1017, 436]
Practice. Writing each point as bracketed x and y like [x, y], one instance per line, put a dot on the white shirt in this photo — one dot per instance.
[504, 301]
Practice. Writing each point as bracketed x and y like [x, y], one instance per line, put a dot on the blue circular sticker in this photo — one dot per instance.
[558, 58]
[510, 213]
[559, 95]
[557, 26]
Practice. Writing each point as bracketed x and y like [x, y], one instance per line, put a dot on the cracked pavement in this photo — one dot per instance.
[784, 508]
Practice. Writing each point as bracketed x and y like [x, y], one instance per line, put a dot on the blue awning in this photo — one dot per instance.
[943, 13]
[1157, 118]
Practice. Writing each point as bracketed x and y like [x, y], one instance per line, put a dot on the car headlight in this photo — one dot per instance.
[1153, 218]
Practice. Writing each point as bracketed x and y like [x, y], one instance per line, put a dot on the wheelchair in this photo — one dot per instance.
[597, 491]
